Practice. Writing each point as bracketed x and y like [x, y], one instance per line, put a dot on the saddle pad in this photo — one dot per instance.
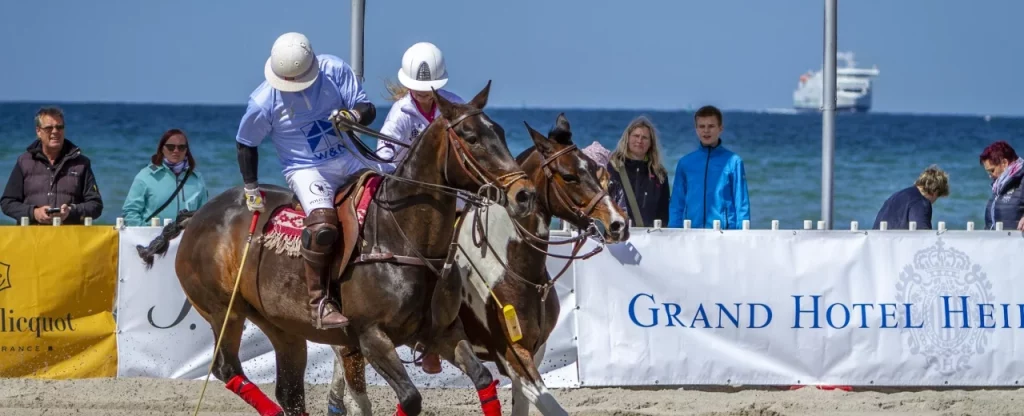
[287, 221]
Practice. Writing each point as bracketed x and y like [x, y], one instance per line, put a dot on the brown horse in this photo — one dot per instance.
[506, 258]
[387, 291]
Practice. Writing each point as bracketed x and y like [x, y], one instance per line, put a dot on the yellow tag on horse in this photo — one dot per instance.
[512, 322]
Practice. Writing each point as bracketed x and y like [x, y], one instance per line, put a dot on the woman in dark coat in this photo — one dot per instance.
[635, 166]
[1006, 204]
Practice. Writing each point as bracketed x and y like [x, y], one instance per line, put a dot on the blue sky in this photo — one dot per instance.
[935, 56]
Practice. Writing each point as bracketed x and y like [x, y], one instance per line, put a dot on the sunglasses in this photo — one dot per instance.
[59, 127]
[171, 147]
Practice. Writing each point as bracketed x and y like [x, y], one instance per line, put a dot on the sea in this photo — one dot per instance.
[876, 154]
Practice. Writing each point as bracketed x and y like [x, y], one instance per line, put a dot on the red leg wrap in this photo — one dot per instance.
[252, 394]
[400, 412]
[489, 400]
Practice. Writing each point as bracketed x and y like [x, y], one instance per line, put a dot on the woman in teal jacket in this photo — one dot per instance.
[154, 192]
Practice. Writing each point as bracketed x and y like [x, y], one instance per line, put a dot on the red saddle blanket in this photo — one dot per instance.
[285, 226]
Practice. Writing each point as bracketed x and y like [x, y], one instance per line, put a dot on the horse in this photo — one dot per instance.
[502, 257]
[384, 280]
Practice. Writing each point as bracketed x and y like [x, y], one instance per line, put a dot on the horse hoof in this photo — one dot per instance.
[431, 363]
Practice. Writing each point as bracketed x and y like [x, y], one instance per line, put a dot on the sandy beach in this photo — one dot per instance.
[164, 397]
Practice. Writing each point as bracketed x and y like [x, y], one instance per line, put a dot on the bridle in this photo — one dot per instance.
[582, 211]
[472, 168]
[454, 144]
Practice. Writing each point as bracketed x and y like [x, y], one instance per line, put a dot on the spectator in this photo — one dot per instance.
[710, 182]
[597, 153]
[167, 185]
[1006, 204]
[52, 178]
[914, 203]
[639, 181]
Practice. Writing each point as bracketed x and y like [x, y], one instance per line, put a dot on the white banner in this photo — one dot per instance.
[676, 307]
[160, 335]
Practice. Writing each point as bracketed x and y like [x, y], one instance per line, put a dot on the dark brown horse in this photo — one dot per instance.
[506, 258]
[387, 291]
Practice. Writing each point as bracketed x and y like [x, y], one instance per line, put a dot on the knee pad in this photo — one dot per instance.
[321, 229]
[321, 235]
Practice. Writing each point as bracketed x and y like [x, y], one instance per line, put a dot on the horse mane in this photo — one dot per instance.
[525, 154]
[560, 136]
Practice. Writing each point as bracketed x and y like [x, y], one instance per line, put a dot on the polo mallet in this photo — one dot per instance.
[238, 278]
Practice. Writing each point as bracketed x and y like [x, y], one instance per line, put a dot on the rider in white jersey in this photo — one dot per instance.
[422, 68]
[293, 106]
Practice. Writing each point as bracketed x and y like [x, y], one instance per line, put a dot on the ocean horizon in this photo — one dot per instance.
[876, 153]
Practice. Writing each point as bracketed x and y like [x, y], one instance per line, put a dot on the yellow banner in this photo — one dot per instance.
[57, 289]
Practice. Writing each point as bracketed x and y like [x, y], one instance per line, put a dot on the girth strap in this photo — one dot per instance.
[394, 258]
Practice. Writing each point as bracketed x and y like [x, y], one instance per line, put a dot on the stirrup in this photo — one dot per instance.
[321, 307]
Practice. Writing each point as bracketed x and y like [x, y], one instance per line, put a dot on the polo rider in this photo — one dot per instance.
[293, 106]
[423, 69]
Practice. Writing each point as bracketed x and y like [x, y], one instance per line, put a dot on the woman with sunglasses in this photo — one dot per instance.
[167, 185]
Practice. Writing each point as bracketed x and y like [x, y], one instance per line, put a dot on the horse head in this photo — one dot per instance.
[575, 188]
[478, 159]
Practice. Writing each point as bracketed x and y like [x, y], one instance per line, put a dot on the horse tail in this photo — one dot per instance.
[160, 244]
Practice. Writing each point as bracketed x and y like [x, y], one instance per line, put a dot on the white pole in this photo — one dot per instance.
[358, 16]
[828, 115]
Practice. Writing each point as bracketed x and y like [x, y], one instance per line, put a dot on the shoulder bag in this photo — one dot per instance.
[638, 221]
[173, 195]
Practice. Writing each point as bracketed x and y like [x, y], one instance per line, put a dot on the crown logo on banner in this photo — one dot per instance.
[934, 273]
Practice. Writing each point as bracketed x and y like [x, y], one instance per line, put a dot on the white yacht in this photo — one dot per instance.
[853, 87]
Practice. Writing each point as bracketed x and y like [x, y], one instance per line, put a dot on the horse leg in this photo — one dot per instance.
[228, 368]
[521, 404]
[529, 389]
[350, 371]
[454, 347]
[380, 352]
[291, 354]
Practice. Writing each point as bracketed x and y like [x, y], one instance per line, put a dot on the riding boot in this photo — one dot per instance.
[318, 238]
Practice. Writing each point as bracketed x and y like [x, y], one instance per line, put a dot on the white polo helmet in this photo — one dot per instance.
[423, 68]
[292, 65]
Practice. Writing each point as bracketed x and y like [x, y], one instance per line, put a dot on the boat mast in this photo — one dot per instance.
[828, 114]
[356, 59]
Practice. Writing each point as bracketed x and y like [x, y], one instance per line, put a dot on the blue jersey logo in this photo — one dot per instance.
[322, 140]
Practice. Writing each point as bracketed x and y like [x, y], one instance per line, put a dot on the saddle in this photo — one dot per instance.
[351, 201]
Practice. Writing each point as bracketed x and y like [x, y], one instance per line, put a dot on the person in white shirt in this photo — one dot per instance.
[294, 107]
[422, 68]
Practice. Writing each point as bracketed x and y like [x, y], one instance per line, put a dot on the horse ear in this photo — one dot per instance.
[542, 143]
[446, 107]
[480, 101]
[562, 123]
[561, 133]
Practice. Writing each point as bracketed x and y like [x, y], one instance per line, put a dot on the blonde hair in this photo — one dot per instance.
[934, 181]
[618, 156]
[395, 91]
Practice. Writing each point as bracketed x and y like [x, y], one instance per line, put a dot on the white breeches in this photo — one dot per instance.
[315, 186]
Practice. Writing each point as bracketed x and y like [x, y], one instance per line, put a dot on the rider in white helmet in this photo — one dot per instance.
[293, 106]
[422, 68]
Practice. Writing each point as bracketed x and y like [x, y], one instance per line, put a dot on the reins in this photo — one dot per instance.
[466, 161]
[531, 240]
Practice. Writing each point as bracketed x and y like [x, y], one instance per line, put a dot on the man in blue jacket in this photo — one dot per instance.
[710, 182]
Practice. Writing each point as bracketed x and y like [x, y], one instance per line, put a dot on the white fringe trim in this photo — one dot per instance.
[281, 243]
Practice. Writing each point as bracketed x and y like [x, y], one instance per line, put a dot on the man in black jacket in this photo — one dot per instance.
[52, 178]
